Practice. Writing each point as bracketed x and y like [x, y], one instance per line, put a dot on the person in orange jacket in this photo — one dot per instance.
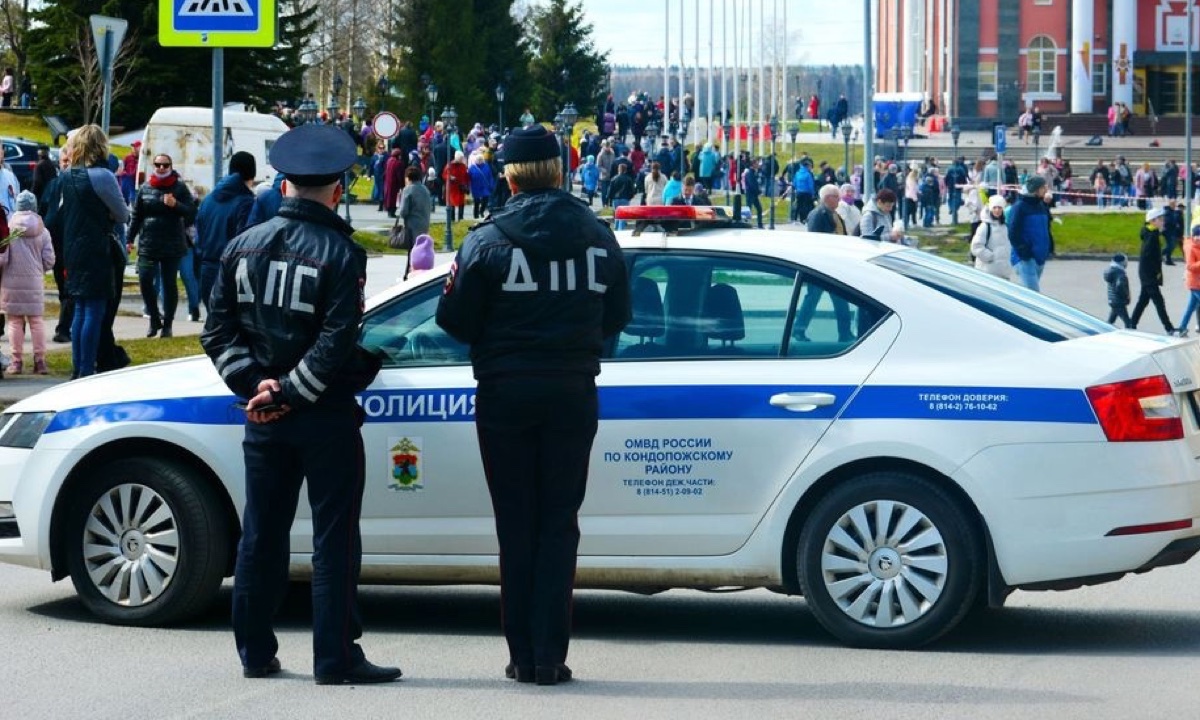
[458, 184]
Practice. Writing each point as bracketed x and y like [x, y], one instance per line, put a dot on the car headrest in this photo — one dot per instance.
[723, 313]
[648, 320]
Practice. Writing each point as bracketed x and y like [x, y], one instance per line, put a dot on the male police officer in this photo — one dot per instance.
[282, 332]
[535, 291]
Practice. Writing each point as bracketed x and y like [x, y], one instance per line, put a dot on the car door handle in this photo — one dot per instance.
[802, 401]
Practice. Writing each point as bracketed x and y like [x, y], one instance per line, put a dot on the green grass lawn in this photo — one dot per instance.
[1091, 233]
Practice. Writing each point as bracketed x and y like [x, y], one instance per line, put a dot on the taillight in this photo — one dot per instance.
[1137, 410]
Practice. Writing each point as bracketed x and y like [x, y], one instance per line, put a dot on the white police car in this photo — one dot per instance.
[894, 436]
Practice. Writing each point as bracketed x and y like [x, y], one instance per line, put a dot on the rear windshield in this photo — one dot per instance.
[1030, 312]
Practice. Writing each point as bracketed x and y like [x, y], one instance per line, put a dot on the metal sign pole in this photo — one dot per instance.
[106, 70]
[868, 109]
[1189, 193]
[218, 111]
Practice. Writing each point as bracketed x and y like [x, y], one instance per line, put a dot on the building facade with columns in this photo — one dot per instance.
[989, 59]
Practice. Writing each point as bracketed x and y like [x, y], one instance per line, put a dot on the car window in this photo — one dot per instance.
[1027, 311]
[406, 332]
[11, 151]
[695, 306]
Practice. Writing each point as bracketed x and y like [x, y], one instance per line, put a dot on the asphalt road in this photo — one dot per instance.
[1124, 650]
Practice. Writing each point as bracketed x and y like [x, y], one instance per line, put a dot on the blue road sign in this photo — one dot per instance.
[1000, 137]
[217, 23]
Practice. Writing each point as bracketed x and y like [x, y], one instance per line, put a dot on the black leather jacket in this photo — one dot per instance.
[158, 228]
[287, 305]
[537, 289]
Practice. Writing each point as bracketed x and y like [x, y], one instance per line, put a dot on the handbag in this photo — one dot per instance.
[398, 238]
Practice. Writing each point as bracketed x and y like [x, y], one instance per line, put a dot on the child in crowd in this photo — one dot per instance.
[24, 263]
[1118, 289]
[422, 255]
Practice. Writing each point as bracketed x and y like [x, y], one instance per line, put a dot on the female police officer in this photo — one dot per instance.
[535, 291]
[282, 331]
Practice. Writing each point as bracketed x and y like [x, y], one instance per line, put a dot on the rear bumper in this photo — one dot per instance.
[1176, 553]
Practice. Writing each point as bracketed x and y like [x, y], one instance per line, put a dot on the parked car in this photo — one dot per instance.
[21, 155]
[896, 437]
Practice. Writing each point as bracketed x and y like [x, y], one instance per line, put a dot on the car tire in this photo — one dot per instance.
[146, 542]
[889, 560]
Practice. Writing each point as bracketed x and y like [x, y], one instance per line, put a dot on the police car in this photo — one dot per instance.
[894, 436]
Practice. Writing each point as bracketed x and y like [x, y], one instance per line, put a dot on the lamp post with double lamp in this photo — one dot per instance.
[846, 130]
[338, 83]
[500, 101]
[907, 131]
[360, 108]
[567, 117]
[955, 132]
[794, 131]
[449, 127]
[773, 126]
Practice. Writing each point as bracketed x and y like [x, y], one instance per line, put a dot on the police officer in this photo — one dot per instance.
[535, 291]
[282, 332]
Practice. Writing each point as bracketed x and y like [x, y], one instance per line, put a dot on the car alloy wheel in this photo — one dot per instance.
[131, 544]
[884, 563]
[890, 560]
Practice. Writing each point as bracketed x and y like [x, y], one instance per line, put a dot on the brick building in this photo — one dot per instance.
[986, 59]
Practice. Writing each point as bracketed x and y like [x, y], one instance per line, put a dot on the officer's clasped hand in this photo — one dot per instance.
[263, 408]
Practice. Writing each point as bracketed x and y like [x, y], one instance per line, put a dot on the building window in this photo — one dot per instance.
[1100, 78]
[1041, 66]
[1043, 2]
[987, 77]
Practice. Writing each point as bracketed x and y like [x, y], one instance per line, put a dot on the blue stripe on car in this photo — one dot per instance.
[674, 402]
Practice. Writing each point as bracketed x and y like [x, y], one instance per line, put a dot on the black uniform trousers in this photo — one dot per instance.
[322, 444]
[535, 437]
[1151, 293]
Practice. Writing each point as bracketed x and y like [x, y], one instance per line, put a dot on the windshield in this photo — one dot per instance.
[1027, 311]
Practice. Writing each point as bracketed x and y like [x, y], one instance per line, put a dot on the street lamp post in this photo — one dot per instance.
[907, 131]
[1037, 136]
[337, 92]
[773, 126]
[500, 101]
[333, 109]
[360, 108]
[794, 131]
[449, 127]
[431, 94]
[567, 118]
[846, 130]
[955, 131]
[651, 137]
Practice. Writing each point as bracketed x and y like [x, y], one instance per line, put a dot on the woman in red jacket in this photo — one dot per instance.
[458, 184]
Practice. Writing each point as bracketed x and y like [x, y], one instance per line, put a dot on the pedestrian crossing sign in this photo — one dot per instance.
[217, 23]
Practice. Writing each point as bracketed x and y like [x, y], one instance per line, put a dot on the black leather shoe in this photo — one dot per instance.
[520, 673]
[61, 338]
[155, 326]
[195, 316]
[271, 668]
[166, 332]
[363, 673]
[552, 674]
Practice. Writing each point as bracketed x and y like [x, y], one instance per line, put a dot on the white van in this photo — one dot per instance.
[186, 134]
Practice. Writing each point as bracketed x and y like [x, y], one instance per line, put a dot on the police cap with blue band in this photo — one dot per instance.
[313, 155]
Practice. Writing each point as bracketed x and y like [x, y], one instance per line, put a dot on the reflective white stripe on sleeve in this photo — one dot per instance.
[302, 386]
[229, 355]
[312, 380]
[234, 367]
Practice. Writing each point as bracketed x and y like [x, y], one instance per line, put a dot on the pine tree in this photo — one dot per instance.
[565, 68]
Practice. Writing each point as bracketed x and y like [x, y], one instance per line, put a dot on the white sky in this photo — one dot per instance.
[820, 32]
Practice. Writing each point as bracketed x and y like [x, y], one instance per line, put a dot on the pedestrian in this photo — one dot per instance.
[43, 172]
[223, 214]
[1150, 273]
[693, 194]
[1172, 230]
[9, 187]
[294, 357]
[655, 183]
[127, 173]
[825, 218]
[990, 245]
[752, 190]
[51, 197]
[482, 183]
[1117, 282]
[804, 190]
[161, 212]
[422, 257]
[415, 211]
[458, 184]
[536, 337]
[931, 200]
[848, 208]
[393, 181]
[24, 264]
[1191, 260]
[589, 180]
[8, 86]
[1029, 233]
[94, 261]
[878, 218]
